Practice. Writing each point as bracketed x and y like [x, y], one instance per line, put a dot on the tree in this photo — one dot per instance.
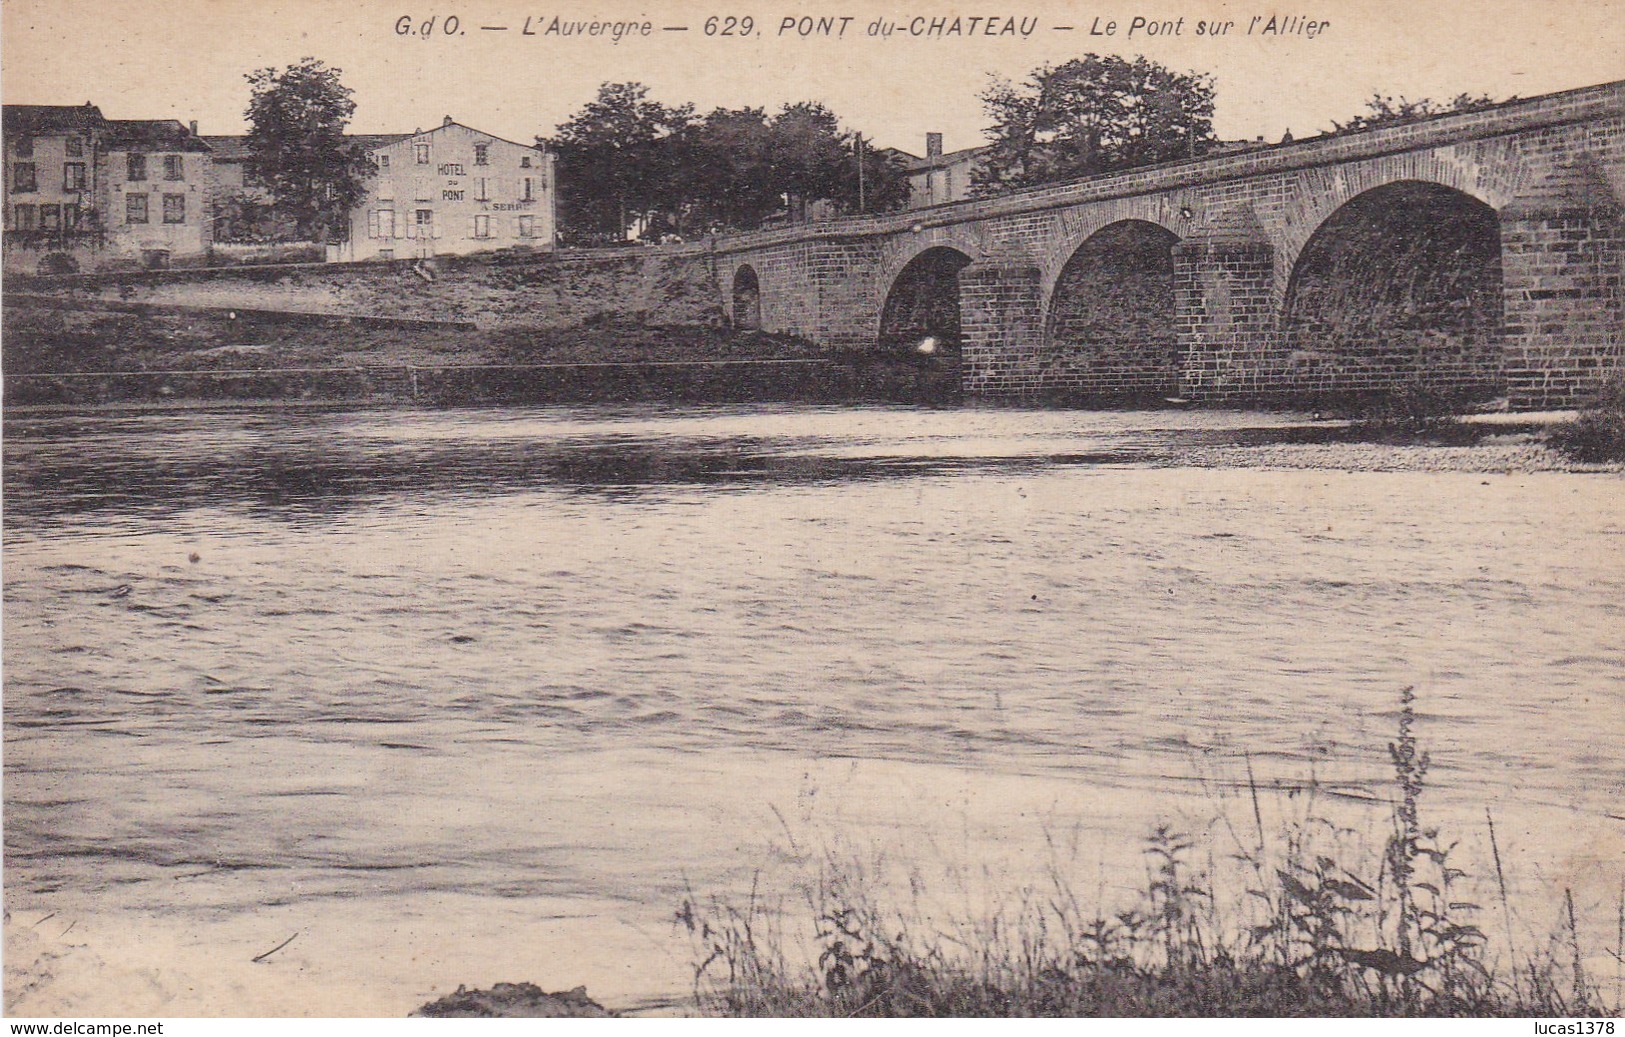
[625, 159]
[728, 172]
[297, 147]
[1386, 110]
[815, 161]
[1092, 115]
[614, 163]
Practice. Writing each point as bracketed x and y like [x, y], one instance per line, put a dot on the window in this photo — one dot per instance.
[24, 217]
[386, 253]
[383, 161]
[135, 166]
[386, 190]
[74, 147]
[524, 161]
[70, 216]
[73, 176]
[135, 208]
[381, 223]
[526, 194]
[24, 147]
[482, 154]
[174, 208]
[527, 226]
[482, 226]
[479, 190]
[173, 170]
[50, 217]
[422, 224]
[23, 177]
[422, 152]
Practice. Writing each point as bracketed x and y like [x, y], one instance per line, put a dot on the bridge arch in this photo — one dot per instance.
[1321, 193]
[1110, 327]
[1400, 287]
[746, 298]
[921, 307]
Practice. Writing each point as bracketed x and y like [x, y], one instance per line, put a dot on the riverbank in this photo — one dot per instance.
[105, 352]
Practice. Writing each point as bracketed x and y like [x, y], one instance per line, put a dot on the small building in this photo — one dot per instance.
[454, 190]
[54, 196]
[84, 192]
[158, 213]
[939, 178]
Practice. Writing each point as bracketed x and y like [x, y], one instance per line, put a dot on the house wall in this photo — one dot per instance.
[433, 196]
[948, 182]
[27, 212]
[185, 239]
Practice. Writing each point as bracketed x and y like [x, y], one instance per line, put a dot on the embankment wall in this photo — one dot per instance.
[654, 286]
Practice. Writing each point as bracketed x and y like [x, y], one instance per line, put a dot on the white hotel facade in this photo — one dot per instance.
[454, 190]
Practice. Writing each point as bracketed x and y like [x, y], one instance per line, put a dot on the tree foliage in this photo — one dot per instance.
[297, 148]
[1092, 115]
[615, 160]
[1387, 110]
[627, 161]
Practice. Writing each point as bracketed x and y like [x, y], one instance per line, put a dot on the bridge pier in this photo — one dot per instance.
[1225, 307]
[1001, 315]
[1563, 263]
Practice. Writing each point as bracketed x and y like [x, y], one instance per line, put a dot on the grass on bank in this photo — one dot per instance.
[1314, 933]
[1597, 433]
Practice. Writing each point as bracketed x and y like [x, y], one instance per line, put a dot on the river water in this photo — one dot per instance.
[468, 696]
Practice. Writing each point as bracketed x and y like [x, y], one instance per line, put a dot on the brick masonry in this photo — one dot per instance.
[1551, 169]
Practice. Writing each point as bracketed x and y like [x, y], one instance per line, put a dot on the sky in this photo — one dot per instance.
[186, 59]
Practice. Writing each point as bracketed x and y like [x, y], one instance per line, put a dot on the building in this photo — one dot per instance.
[937, 178]
[53, 192]
[84, 192]
[158, 207]
[454, 190]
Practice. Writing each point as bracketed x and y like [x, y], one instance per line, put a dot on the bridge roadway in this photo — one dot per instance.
[1478, 253]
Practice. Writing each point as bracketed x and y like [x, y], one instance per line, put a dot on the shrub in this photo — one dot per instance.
[1324, 928]
[1597, 434]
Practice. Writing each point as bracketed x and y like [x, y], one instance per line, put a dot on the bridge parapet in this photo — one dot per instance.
[1573, 106]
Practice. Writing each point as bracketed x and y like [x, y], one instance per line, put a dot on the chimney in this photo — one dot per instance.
[448, 121]
[194, 127]
[933, 145]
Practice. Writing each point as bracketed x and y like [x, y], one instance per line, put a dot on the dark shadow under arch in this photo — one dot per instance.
[1399, 289]
[1110, 331]
[747, 299]
[923, 304]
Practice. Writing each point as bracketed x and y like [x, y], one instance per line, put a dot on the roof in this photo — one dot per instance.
[152, 134]
[916, 165]
[227, 149]
[449, 122]
[52, 118]
[373, 141]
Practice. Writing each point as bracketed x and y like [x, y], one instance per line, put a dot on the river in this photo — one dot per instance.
[467, 696]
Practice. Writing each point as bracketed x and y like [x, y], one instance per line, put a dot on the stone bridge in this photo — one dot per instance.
[1478, 254]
